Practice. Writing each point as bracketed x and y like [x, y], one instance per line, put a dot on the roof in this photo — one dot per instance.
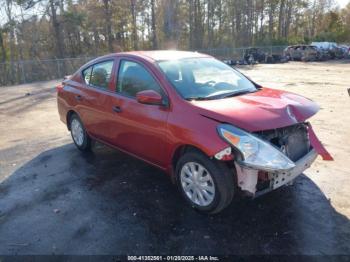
[159, 55]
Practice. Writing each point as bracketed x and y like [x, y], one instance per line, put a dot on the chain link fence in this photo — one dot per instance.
[28, 71]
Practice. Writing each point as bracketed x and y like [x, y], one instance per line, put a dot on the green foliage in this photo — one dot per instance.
[73, 18]
[95, 27]
[295, 39]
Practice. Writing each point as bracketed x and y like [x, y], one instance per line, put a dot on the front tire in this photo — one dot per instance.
[206, 184]
[79, 135]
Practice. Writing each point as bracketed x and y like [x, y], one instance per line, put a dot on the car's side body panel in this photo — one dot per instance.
[152, 133]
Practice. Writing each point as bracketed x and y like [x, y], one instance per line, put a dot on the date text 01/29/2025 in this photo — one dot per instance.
[173, 258]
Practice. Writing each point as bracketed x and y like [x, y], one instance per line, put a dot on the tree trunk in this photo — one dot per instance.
[198, 25]
[313, 20]
[153, 26]
[209, 19]
[191, 26]
[171, 26]
[238, 16]
[2, 46]
[289, 18]
[281, 18]
[233, 25]
[262, 16]
[134, 26]
[96, 39]
[249, 22]
[271, 21]
[219, 40]
[11, 23]
[57, 31]
[107, 12]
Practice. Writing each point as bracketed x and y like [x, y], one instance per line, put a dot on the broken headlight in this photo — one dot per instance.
[256, 153]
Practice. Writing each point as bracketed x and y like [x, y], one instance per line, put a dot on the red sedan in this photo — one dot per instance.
[213, 130]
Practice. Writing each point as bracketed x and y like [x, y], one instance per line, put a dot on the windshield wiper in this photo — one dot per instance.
[198, 98]
[237, 93]
[220, 96]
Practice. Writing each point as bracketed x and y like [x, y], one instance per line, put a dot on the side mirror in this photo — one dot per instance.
[149, 97]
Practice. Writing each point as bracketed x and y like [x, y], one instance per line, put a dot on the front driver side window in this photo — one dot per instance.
[133, 78]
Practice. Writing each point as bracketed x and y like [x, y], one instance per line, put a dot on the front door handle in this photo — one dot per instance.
[78, 97]
[117, 109]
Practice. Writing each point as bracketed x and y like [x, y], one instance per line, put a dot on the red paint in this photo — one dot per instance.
[153, 133]
[263, 176]
[59, 88]
[317, 145]
[149, 97]
[227, 158]
[262, 110]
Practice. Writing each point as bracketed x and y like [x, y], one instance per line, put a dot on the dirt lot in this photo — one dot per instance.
[56, 200]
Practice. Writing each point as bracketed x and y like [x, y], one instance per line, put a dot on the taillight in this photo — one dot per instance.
[59, 87]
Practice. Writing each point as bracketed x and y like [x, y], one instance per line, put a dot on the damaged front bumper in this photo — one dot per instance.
[298, 143]
[279, 179]
[248, 178]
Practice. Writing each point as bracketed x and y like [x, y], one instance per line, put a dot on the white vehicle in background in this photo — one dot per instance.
[324, 45]
[332, 48]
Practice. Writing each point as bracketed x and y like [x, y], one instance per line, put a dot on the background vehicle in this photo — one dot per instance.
[332, 48]
[346, 50]
[301, 52]
[253, 54]
[257, 54]
[214, 131]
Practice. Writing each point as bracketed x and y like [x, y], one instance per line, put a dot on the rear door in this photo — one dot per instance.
[96, 99]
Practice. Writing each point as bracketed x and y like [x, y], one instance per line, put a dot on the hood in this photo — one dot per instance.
[263, 110]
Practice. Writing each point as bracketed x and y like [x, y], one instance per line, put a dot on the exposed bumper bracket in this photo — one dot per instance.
[248, 178]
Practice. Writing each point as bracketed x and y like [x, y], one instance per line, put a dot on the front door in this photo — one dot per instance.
[139, 129]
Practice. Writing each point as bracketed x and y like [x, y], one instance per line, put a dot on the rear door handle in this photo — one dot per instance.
[117, 109]
[78, 97]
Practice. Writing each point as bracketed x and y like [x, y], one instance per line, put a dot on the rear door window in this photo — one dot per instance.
[101, 74]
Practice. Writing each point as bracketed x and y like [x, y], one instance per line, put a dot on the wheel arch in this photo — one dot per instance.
[70, 113]
[180, 150]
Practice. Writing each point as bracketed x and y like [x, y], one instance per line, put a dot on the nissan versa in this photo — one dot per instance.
[213, 130]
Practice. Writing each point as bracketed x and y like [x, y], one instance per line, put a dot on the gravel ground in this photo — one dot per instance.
[56, 200]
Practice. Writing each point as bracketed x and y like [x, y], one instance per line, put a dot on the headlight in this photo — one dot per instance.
[257, 153]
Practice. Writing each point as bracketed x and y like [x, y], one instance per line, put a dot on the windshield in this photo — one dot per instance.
[205, 78]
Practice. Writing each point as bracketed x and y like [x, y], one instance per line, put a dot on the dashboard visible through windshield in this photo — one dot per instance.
[205, 78]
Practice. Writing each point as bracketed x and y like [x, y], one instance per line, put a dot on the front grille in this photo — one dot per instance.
[292, 140]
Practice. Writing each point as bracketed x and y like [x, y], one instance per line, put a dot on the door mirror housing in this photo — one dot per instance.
[149, 97]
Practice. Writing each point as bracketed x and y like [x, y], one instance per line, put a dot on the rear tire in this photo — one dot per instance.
[79, 135]
[207, 185]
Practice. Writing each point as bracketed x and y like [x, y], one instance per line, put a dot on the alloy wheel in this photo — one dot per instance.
[77, 132]
[197, 183]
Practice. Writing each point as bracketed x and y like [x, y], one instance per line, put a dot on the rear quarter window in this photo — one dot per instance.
[87, 74]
